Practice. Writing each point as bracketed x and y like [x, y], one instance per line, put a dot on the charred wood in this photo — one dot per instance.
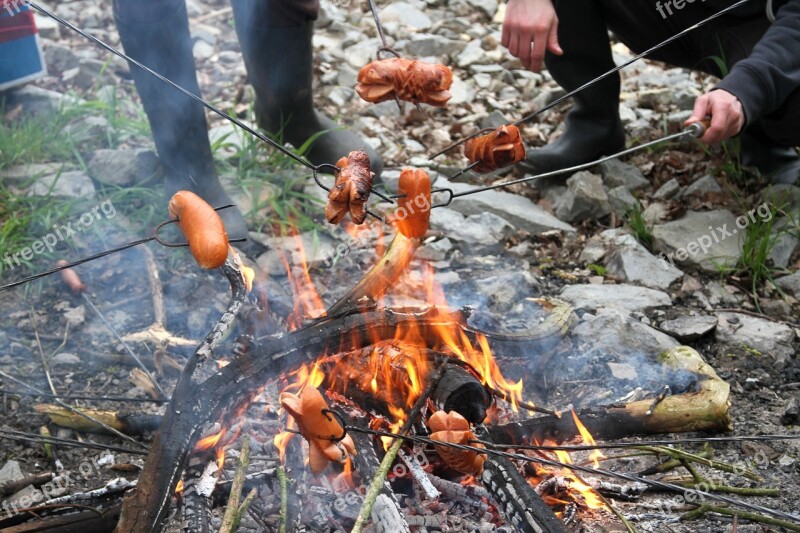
[516, 500]
[199, 483]
[89, 521]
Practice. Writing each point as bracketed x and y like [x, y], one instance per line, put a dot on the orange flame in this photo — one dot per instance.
[210, 441]
[249, 275]
[179, 487]
[596, 455]
[307, 301]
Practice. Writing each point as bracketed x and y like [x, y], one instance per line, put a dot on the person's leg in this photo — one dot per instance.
[767, 143]
[156, 33]
[275, 36]
[593, 126]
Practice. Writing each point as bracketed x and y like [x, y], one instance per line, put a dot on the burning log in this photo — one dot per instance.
[516, 499]
[368, 377]
[705, 409]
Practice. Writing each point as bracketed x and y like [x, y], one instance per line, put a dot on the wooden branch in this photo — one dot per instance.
[229, 522]
[381, 277]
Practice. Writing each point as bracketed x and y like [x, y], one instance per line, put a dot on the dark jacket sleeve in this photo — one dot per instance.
[762, 81]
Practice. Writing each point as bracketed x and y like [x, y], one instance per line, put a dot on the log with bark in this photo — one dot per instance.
[704, 409]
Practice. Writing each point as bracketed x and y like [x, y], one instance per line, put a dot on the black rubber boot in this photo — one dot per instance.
[156, 33]
[779, 164]
[278, 55]
[593, 127]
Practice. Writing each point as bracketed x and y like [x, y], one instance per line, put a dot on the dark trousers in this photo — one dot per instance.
[639, 24]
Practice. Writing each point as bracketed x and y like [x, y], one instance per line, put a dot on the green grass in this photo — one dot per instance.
[271, 179]
[273, 182]
[641, 230]
[759, 239]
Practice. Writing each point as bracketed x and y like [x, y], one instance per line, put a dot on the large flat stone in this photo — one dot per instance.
[623, 297]
[738, 330]
[611, 331]
[708, 240]
[518, 210]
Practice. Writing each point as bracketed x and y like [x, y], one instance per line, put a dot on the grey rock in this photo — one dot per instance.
[65, 358]
[706, 184]
[436, 250]
[319, 247]
[689, 328]
[667, 191]
[434, 45]
[405, 14]
[790, 284]
[519, 211]
[632, 262]
[202, 50]
[472, 53]
[124, 168]
[791, 413]
[11, 471]
[585, 198]
[612, 331]
[722, 294]
[22, 173]
[362, 52]
[654, 98]
[618, 174]
[482, 228]
[707, 240]
[340, 96]
[507, 289]
[487, 6]
[346, 76]
[73, 183]
[623, 297]
[622, 201]
[655, 213]
[89, 73]
[738, 330]
[593, 253]
[783, 248]
[495, 119]
[87, 128]
[59, 58]
[35, 100]
[463, 92]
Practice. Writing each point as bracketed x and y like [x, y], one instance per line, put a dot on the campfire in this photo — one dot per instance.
[387, 408]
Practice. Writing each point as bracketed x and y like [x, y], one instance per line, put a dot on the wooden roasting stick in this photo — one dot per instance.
[413, 217]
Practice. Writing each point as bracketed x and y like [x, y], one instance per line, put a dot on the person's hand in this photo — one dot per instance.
[727, 115]
[530, 27]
